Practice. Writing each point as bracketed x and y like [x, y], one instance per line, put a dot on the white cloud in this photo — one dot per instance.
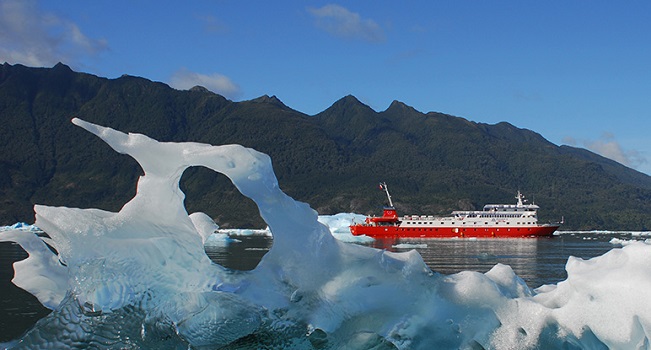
[569, 140]
[339, 21]
[608, 147]
[184, 79]
[31, 37]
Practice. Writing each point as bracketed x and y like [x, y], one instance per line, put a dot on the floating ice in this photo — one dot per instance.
[244, 232]
[641, 234]
[409, 245]
[339, 226]
[139, 278]
[21, 226]
[619, 241]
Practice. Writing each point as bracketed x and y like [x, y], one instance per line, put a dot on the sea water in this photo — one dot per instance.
[538, 261]
[141, 278]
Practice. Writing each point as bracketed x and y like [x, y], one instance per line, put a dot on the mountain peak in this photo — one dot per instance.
[61, 66]
[199, 88]
[269, 99]
[348, 100]
[397, 106]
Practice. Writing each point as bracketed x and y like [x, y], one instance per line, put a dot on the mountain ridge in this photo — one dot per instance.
[433, 162]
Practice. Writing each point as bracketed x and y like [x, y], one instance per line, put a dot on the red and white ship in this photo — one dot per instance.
[495, 221]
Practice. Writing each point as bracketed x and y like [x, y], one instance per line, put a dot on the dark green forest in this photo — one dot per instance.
[433, 162]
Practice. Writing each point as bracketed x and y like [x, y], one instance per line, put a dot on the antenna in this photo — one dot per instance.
[383, 186]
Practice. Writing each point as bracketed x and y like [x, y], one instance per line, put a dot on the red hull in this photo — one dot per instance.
[391, 231]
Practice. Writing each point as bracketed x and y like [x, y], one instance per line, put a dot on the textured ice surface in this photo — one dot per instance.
[140, 278]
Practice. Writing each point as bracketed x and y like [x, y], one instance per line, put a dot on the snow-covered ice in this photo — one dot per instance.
[140, 278]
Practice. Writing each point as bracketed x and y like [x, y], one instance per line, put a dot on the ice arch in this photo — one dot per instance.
[139, 278]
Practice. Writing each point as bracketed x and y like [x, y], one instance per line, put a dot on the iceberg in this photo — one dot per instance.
[339, 226]
[140, 278]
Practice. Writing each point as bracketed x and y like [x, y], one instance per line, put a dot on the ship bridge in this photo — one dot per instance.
[510, 207]
[519, 206]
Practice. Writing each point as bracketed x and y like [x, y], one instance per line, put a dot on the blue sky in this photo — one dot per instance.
[577, 72]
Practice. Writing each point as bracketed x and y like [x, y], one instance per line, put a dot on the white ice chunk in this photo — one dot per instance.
[41, 274]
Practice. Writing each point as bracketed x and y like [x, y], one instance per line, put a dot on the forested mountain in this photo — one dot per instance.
[432, 162]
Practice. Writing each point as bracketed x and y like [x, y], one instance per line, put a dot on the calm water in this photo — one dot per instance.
[537, 261]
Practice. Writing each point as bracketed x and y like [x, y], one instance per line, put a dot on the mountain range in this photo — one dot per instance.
[432, 162]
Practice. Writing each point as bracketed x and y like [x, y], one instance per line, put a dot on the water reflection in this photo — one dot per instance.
[244, 254]
[18, 309]
[536, 260]
[450, 256]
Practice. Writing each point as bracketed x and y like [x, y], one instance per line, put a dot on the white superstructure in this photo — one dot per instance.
[493, 215]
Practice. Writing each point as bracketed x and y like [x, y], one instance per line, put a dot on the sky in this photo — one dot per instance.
[576, 72]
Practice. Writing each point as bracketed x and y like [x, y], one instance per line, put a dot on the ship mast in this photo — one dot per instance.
[383, 186]
[520, 199]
